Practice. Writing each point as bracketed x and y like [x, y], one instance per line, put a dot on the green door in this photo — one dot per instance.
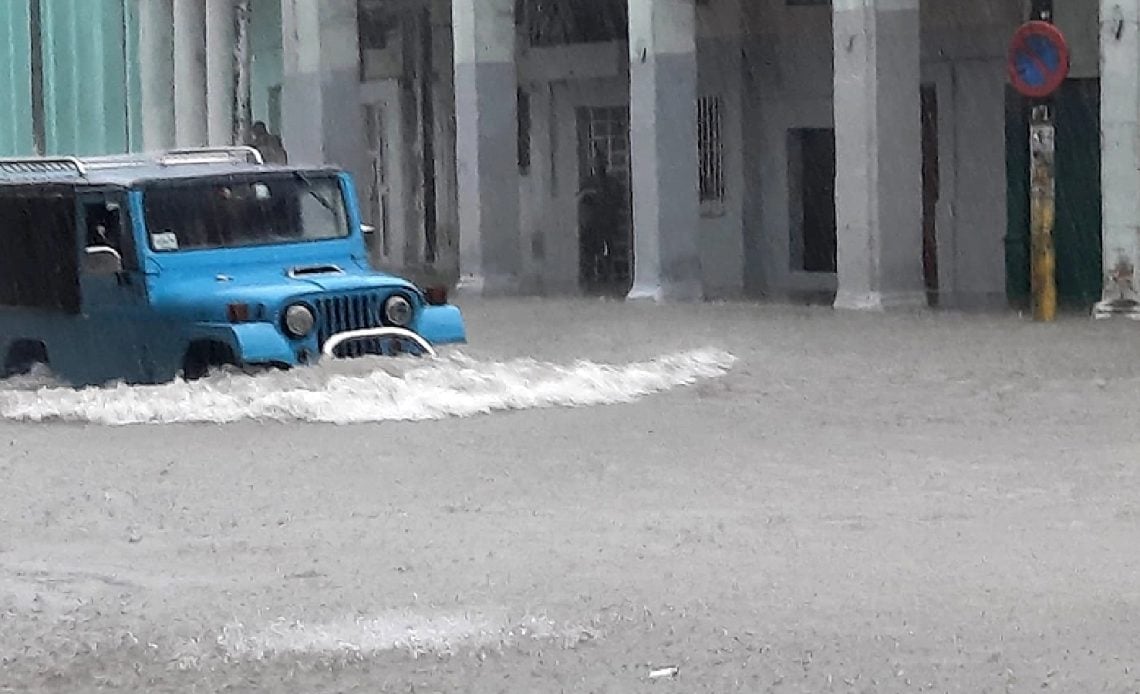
[1017, 200]
[1076, 236]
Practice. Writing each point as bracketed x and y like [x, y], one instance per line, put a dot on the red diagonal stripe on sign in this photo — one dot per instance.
[1022, 45]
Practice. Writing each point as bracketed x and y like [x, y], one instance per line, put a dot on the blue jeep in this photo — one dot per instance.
[143, 268]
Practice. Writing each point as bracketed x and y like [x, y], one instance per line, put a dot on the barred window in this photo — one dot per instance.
[524, 123]
[710, 148]
[39, 266]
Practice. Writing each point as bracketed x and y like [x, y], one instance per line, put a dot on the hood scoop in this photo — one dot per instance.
[303, 271]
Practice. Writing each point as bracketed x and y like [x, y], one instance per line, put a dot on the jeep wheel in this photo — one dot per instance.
[23, 356]
[203, 357]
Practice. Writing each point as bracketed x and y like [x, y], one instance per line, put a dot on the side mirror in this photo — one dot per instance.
[367, 229]
[102, 260]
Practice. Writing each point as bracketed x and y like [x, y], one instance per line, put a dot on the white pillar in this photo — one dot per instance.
[1120, 158]
[486, 92]
[156, 69]
[321, 107]
[878, 139]
[663, 142]
[446, 183]
[221, 40]
[190, 73]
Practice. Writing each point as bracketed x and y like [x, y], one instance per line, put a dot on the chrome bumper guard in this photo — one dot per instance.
[334, 341]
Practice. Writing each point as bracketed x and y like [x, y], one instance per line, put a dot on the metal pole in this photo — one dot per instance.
[1042, 213]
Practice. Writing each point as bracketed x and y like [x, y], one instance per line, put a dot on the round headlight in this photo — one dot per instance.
[398, 311]
[299, 320]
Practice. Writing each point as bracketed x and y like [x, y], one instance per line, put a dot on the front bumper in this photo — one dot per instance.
[435, 325]
[263, 343]
[441, 325]
[376, 335]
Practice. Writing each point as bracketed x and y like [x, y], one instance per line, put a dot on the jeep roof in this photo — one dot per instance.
[125, 170]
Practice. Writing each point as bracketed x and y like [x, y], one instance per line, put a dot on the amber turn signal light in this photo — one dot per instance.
[436, 296]
[237, 313]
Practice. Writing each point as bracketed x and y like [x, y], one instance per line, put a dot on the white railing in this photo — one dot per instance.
[19, 166]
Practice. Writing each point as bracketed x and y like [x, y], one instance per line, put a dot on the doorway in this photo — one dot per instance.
[605, 206]
[811, 177]
[930, 186]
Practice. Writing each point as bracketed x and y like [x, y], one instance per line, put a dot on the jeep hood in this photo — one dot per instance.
[269, 286]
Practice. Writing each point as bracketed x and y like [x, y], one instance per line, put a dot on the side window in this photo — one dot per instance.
[107, 235]
[37, 233]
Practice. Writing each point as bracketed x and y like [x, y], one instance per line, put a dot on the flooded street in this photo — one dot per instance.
[590, 493]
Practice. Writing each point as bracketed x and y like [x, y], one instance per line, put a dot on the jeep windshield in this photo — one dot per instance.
[243, 211]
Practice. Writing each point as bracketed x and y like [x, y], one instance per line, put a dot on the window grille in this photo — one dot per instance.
[524, 124]
[710, 148]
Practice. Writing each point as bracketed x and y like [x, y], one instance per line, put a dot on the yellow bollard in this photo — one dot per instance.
[1042, 209]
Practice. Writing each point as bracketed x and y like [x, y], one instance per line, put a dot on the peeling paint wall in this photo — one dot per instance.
[788, 84]
[774, 70]
[720, 71]
[267, 62]
[1079, 21]
[788, 74]
[559, 81]
[15, 80]
[90, 87]
[964, 56]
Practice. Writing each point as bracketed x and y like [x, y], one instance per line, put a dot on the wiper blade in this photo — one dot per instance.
[324, 203]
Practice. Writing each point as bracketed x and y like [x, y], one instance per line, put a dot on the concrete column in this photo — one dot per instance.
[221, 40]
[156, 69]
[190, 73]
[446, 183]
[486, 88]
[1120, 158]
[321, 111]
[663, 141]
[878, 139]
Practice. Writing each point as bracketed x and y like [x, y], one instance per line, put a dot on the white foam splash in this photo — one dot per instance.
[366, 390]
[441, 634]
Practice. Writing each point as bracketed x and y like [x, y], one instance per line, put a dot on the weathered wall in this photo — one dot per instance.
[559, 81]
[788, 78]
[90, 87]
[322, 121]
[777, 77]
[561, 227]
[720, 73]
[446, 168]
[1079, 20]
[963, 54]
[266, 60]
[15, 80]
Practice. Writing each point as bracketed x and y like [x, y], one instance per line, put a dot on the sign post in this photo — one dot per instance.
[1042, 213]
[1038, 64]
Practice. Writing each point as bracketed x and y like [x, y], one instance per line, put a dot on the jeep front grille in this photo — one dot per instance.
[337, 314]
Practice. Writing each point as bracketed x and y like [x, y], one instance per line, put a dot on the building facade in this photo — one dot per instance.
[868, 153]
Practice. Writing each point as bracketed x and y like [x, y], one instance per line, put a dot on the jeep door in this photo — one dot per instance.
[113, 289]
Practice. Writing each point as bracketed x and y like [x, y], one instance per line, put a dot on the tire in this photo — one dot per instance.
[203, 357]
[23, 356]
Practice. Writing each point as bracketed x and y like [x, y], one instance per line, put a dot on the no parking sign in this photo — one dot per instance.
[1038, 59]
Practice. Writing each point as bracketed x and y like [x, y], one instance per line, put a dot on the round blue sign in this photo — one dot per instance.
[1038, 59]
